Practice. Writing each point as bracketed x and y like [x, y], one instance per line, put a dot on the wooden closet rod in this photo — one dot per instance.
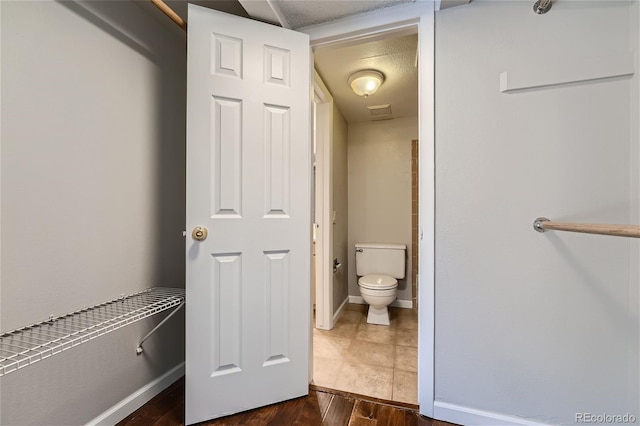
[170, 13]
[543, 224]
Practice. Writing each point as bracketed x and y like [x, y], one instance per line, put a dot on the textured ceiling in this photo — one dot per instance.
[298, 13]
[394, 57]
[301, 13]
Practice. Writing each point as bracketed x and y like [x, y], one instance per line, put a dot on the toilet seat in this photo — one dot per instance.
[378, 282]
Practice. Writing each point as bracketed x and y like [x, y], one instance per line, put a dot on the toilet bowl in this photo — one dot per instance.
[379, 291]
[379, 266]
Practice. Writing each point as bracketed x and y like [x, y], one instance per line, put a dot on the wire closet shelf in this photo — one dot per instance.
[27, 345]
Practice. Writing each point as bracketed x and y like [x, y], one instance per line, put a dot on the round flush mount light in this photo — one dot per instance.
[365, 83]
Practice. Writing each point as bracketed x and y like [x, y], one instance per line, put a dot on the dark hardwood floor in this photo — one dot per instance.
[321, 407]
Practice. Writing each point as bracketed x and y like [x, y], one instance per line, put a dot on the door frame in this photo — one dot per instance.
[408, 18]
[323, 123]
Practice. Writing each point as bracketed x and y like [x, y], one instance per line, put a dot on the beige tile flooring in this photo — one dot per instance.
[373, 360]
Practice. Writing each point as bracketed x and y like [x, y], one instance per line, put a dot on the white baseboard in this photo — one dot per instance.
[406, 304]
[356, 299]
[336, 316]
[137, 399]
[470, 416]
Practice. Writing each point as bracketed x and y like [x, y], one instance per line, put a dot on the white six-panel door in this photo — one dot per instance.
[248, 183]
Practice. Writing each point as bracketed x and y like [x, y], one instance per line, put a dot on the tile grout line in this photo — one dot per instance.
[393, 380]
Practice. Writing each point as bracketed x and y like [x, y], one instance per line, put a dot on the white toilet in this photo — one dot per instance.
[379, 266]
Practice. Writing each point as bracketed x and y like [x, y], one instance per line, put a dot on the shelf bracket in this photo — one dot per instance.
[140, 349]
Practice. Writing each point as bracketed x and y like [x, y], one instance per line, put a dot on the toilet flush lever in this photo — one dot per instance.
[358, 250]
[199, 233]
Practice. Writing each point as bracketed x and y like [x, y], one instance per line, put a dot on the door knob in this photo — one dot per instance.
[199, 233]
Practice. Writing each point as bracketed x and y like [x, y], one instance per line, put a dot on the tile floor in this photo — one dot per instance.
[373, 360]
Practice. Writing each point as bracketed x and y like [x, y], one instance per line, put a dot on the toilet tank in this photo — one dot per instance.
[380, 258]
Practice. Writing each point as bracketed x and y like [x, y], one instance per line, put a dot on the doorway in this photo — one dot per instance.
[230, 260]
[365, 151]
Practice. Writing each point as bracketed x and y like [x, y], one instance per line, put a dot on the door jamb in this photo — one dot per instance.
[375, 24]
[324, 203]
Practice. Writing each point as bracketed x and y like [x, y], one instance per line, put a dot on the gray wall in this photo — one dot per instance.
[379, 158]
[93, 125]
[634, 217]
[340, 206]
[531, 325]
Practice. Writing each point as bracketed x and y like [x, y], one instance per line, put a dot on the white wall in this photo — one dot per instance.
[93, 110]
[537, 326]
[340, 206]
[379, 165]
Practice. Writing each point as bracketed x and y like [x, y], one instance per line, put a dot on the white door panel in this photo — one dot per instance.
[248, 182]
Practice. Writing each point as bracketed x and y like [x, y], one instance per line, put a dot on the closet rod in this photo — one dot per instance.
[170, 13]
[543, 224]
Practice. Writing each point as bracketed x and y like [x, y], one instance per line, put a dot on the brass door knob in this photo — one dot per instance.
[199, 233]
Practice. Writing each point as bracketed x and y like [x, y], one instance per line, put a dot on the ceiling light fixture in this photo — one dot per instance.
[365, 83]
